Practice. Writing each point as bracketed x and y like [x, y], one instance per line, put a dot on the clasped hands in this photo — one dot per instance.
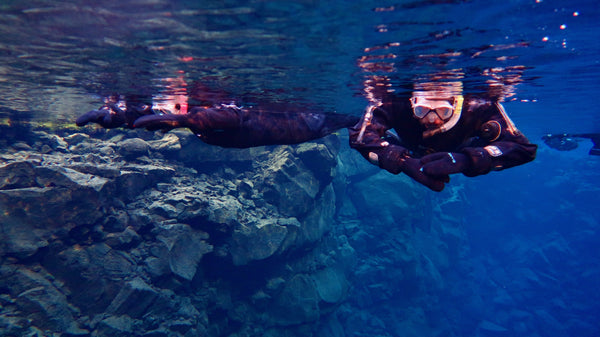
[432, 170]
[112, 116]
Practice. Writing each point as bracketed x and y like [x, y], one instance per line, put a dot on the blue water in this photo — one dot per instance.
[532, 231]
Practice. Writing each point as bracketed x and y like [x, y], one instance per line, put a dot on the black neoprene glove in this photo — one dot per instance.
[396, 160]
[392, 159]
[106, 117]
[444, 163]
[412, 168]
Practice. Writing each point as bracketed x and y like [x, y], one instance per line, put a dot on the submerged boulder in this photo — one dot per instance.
[134, 298]
[331, 285]
[257, 242]
[298, 302]
[132, 148]
[186, 253]
[288, 185]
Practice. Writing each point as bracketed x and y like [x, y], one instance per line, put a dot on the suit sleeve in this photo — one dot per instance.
[503, 146]
[367, 137]
[243, 128]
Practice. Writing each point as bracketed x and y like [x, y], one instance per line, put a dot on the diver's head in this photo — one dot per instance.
[437, 106]
[432, 112]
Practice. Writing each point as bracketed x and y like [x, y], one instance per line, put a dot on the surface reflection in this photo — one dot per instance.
[60, 58]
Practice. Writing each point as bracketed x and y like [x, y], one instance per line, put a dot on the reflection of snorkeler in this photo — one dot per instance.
[568, 142]
[438, 132]
[226, 125]
[117, 112]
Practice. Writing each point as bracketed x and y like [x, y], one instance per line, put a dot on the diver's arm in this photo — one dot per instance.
[262, 127]
[231, 126]
[507, 147]
[367, 138]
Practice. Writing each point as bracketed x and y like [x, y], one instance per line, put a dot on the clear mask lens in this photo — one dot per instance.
[443, 112]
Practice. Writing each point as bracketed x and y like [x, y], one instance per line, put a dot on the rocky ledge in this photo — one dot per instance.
[139, 234]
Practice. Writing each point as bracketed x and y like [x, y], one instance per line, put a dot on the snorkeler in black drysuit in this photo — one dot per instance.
[439, 132]
[568, 142]
[225, 125]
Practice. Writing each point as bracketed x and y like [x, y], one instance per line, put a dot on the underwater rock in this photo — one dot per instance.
[50, 176]
[429, 272]
[76, 138]
[297, 303]
[155, 247]
[33, 201]
[224, 210]
[117, 326]
[319, 159]
[94, 274]
[132, 148]
[17, 175]
[320, 219]
[331, 285]
[134, 299]
[21, 146]
[133, 179]
[54, 142]
[20, 240]
[12, 325]
[123, 240]
[186, 253]
[288, 185]
[258, 242]
[169, 143]
[38, 300]
[184, 250]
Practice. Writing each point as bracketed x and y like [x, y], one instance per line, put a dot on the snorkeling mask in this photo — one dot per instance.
[422, 108]
[423, 105]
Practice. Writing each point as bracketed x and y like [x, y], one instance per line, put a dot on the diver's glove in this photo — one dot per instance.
[396, 159]
[391, 159]
[444, 163]
[107, 117]
[412, 168]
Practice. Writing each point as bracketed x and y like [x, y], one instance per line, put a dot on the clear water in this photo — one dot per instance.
[58, 59]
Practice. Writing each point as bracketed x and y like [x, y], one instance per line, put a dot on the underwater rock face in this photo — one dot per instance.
[39, 299]
[167, 236]
[183, 239]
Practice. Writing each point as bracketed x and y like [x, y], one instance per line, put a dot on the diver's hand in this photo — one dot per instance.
[412, 168]
[106, 117]
[391, 160]
[444, 163]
